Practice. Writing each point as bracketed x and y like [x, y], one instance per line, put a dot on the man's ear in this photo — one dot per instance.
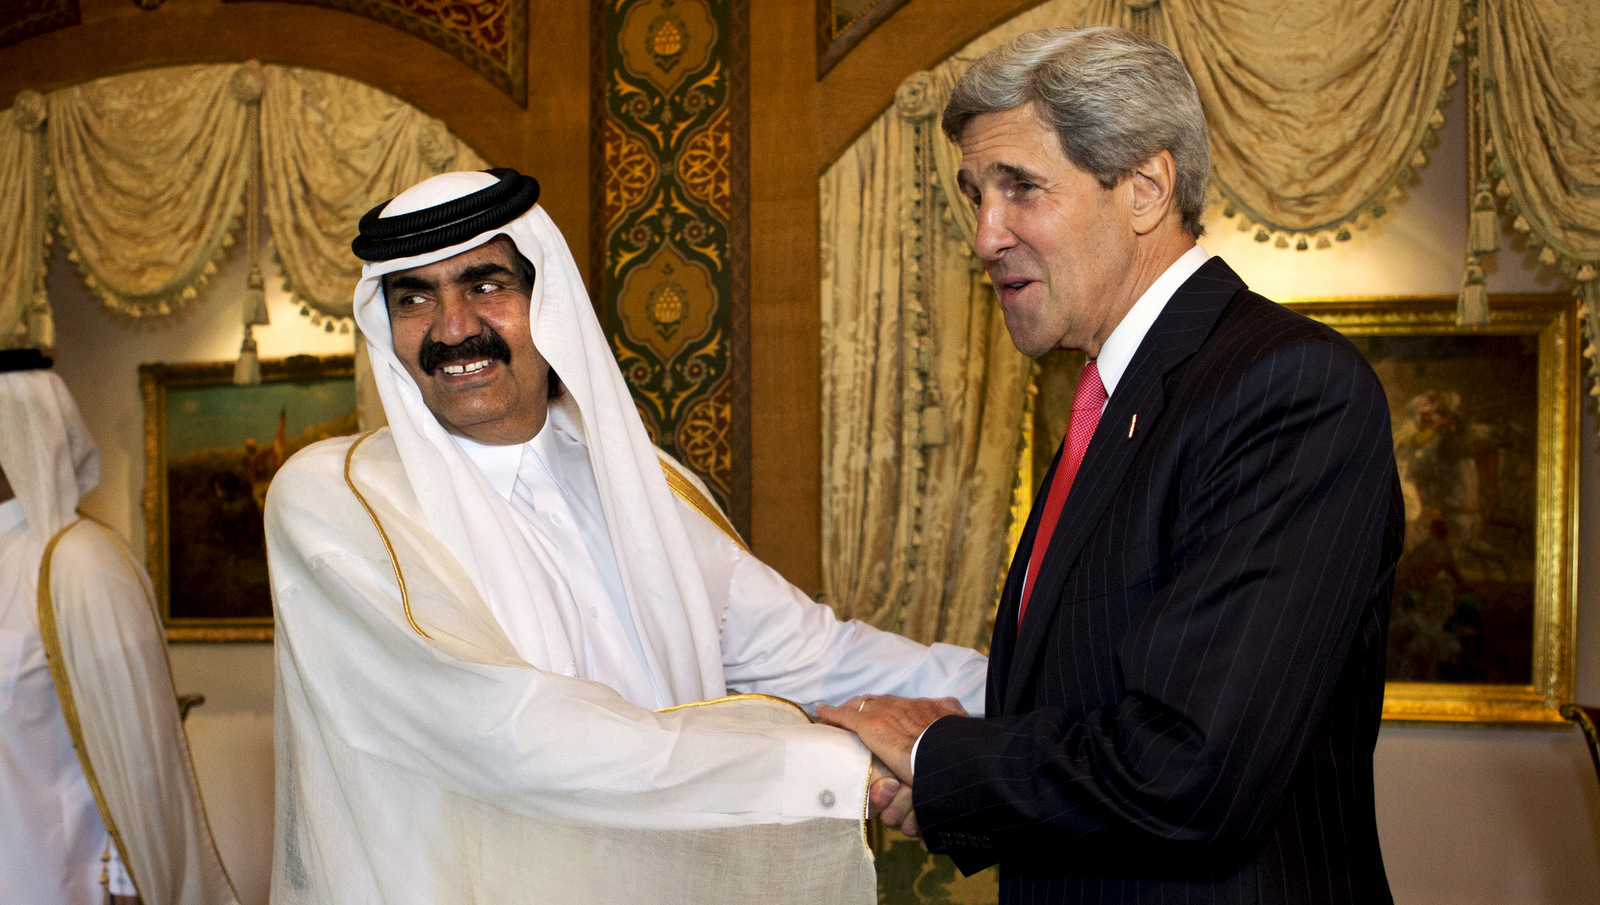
[1152, 185]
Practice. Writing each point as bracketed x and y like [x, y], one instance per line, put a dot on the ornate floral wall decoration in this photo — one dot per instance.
[671, 226]
[491, 36]
[22, 19]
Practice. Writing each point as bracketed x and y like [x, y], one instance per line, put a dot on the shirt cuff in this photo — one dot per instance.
[825, 774]
[914, 751]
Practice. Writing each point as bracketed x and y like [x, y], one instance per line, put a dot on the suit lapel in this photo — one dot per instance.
[1185, 322]
[1004, 638]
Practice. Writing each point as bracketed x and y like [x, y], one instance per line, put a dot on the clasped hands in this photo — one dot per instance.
[889, 727]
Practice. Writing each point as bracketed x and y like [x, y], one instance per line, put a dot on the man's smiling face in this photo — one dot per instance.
[1058, 246]
[461, 329]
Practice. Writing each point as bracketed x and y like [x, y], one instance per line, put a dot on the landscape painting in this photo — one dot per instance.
[213, 449]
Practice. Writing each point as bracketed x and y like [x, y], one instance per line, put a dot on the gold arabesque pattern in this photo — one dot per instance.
[703, 166]
[703, 435]
[629, 171]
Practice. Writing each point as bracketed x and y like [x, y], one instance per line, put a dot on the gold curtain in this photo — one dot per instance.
[922, 391]
[333, 148]
[24, 311]
[149, 171]
[1316, 110]
[144, 176]
[1541, 85]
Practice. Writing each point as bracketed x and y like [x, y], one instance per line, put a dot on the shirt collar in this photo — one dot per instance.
[1117, 351]
[500, 464]
[11, 517]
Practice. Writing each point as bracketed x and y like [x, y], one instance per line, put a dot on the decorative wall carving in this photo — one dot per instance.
[841, 24]
[22, 19]
[671, 223]
[491, 36]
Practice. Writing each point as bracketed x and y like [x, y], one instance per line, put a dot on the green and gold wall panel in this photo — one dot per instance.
[671, 217]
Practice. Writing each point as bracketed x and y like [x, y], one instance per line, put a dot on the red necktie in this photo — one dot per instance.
[1087, 401]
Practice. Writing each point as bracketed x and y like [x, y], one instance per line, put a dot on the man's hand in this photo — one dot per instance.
[888, 725]
[899, 813]
[890, 799]
[883, 789]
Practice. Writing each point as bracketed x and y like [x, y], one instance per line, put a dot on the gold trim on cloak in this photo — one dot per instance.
[681, 486]
[691, 494]
[405, 598]
[69, 705]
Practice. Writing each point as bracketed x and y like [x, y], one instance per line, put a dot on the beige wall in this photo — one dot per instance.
[1498, 817]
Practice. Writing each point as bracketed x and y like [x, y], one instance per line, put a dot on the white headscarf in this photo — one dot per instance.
[46, 450]
[676, 622]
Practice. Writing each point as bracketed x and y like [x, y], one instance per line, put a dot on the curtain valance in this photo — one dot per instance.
[144, 177]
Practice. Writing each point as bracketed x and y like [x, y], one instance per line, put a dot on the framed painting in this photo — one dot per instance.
[1485, 423]
[211, 450]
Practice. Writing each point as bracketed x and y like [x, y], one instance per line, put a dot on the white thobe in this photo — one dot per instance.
[51, 834]
[453, 737]
[551, 488]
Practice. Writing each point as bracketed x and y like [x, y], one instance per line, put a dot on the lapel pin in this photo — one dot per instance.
[1131, 424]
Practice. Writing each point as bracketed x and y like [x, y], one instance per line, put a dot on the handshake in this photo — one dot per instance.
[890, 726]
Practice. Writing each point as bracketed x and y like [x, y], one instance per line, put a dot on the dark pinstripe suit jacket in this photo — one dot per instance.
[1189, 712]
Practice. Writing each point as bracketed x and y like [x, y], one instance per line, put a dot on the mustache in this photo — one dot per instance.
[488, 344]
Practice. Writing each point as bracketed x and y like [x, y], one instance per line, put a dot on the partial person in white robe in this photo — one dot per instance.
[83, 665]
[494, 617]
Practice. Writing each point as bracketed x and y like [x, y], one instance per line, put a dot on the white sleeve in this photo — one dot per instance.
[534, 741]
[776, 640]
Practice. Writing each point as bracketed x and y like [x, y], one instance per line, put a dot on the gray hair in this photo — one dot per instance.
[1113, 98]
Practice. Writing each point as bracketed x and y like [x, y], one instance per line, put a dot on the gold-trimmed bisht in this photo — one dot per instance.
[680, 485]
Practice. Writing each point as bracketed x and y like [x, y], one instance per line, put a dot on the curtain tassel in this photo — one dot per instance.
[1483, 230]
[1472, 309]
[247, 371]
[42, 327]
[255, 300]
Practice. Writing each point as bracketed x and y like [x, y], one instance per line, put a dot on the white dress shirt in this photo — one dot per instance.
[550, 485]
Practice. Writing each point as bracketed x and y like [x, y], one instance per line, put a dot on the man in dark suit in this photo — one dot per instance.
[1186, 676]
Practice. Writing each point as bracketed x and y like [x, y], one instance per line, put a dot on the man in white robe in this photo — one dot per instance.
[83, 665]
[492, 613]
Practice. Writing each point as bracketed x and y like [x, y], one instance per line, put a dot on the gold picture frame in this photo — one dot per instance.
[211, 449]
[1483, 621]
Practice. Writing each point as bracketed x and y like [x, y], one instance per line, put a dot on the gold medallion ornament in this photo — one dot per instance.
[666, 41]
[667, 302]
[663, 40]
[666, 308]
